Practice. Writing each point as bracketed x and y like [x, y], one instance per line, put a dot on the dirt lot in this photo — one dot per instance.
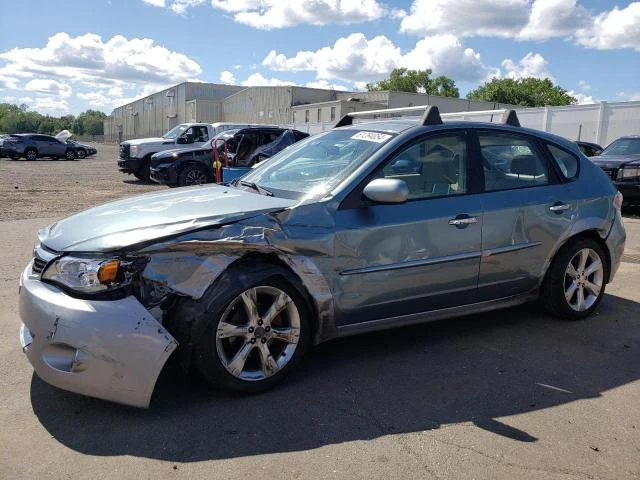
[33, 189]
[511, 394]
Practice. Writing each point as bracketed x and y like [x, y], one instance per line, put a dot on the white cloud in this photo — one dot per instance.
[583, 99]
[269, 14]
[358, 59]
[526, 20]
[326, 85]
[88, 58]
[49, 87]
[180, 6]
[495, 18]
[618, 28]
[155, 3]
[555, 18]
[257, 80]
[584, 85]
[105, 73]
[531, 65]
[635, 97]
[228, 78]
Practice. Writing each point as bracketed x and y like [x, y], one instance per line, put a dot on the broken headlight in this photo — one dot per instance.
[91, 275]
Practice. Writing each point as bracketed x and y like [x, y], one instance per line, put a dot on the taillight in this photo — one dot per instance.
[617, 200]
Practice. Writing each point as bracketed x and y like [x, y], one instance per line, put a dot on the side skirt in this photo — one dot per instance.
[423, 317]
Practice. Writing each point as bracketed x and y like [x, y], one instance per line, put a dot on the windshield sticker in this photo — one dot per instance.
[372, 137]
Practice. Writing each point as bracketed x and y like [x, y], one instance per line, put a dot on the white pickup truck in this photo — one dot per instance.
[135, 155]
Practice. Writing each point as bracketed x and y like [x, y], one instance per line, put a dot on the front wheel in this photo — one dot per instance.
[575, 283]
[81, 154]
[192, 175]
[70, 155]
[30, 154]
[258, 329]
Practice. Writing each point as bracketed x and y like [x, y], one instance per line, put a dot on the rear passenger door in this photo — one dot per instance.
[527, 211]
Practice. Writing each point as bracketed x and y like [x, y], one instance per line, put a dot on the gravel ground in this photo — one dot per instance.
[31, 189]
[512, 394]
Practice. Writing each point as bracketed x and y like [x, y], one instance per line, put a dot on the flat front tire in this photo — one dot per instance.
[257, 328]
[575, 283]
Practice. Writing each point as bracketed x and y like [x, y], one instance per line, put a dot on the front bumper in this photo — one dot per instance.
[130, 165]
[112, 349]
[164, 173]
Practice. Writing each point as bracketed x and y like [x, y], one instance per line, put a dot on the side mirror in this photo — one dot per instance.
[387, 190]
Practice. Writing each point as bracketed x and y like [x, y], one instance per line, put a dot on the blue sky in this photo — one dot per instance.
[65, 57]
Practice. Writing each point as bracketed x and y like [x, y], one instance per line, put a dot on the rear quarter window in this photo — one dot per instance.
[567, 162]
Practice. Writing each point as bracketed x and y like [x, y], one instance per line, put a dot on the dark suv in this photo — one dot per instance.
[35, 145]
[621, 162]
[244, 148]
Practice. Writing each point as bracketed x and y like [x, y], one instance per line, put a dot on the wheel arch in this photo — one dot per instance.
[186, 321]
[591, 234]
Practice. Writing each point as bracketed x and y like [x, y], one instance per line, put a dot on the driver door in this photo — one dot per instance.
[419, 256]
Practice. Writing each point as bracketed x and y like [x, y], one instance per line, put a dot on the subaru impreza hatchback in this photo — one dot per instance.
[365, 227]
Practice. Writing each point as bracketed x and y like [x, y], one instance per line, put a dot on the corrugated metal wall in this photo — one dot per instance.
[258, 105]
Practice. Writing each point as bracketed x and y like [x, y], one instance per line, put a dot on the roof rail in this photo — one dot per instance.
[432, 115]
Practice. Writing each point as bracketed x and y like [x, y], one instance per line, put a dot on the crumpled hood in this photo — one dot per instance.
[144, 218]
[147, 141]
[614, 161]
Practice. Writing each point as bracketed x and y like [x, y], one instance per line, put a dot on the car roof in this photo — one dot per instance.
[406, 124]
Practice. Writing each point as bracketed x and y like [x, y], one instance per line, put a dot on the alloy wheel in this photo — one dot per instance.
[258, 333]
[195, 177]
[583, 279]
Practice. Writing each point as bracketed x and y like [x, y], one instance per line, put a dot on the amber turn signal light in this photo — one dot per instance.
[108, 272]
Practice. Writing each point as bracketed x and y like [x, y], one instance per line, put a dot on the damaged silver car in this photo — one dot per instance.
[365, 227]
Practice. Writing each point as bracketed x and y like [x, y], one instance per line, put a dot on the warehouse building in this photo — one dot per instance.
[308, 109]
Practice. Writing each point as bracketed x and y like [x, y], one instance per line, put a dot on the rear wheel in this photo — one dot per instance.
[575, 282]
[258, 328]
[30, 154]
[193, 175]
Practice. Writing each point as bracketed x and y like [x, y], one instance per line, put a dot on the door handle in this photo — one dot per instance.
[559, 207]
[461, 221]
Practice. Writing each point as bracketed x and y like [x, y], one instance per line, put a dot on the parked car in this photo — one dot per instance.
[244, 148]
[81, 149]
[135, 155]
[2, 137]
[324, 240]
[589, 149]
[35, 145]
[621, 162]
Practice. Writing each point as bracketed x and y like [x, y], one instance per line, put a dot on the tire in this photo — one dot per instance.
[15, 157]
[193, 175]
[244, 351]
[31, 154]
[575, 283]
[70, 155]
[81, 153]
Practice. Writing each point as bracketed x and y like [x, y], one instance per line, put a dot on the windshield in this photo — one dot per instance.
[176, 131]
[623, 146]
[314, 166]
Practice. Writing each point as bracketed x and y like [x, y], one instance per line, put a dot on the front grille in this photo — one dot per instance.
[125, 149]
[38, 266]
[612, 173]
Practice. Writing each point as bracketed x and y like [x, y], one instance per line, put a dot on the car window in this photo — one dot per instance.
[432, 167]
[269, 137]
[623, 146]
[511, 161]
[567, 162]
[199, 132]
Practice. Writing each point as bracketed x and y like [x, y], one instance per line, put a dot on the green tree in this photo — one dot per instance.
[405, 80]
[527, 92]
